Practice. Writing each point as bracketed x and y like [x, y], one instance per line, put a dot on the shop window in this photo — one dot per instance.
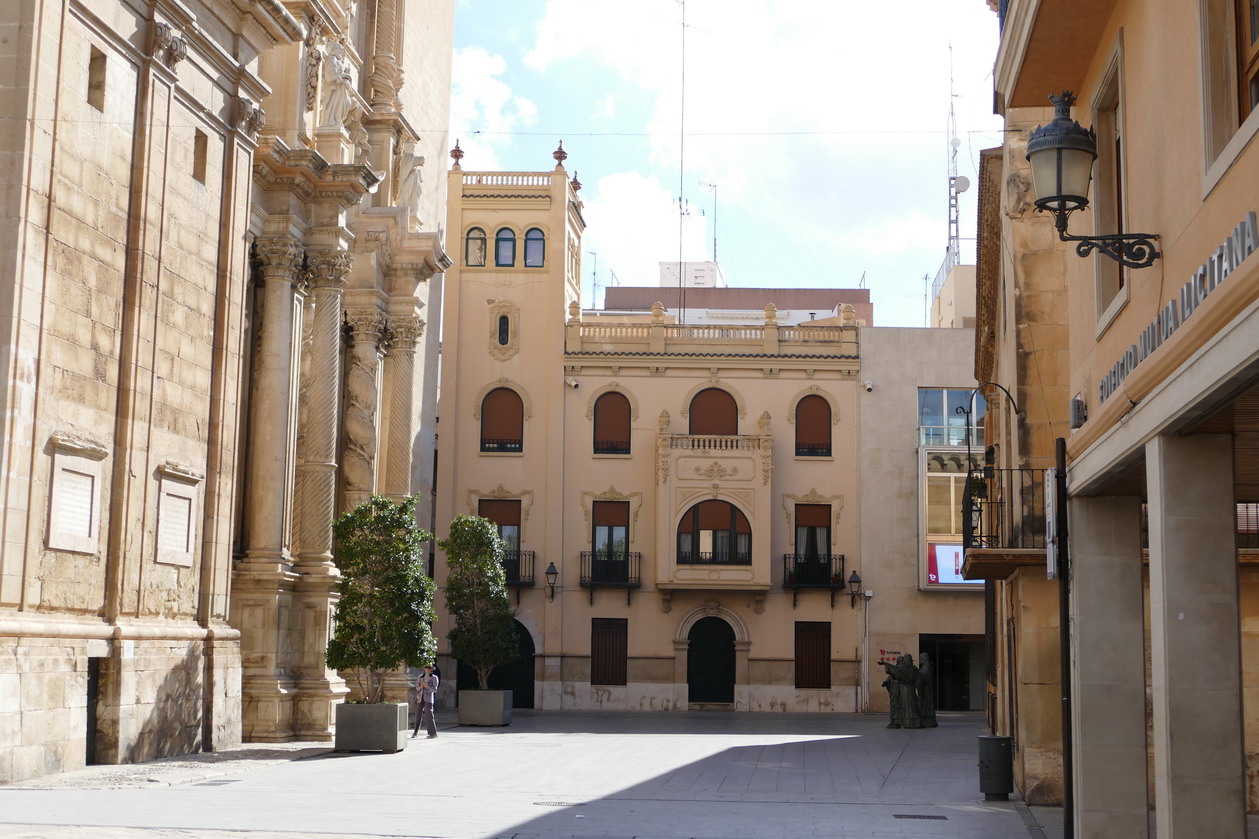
[505, 248]
[612, 424]
[609, 650]
[474, 248]
[714, 533]
[813, 654]
[813, 427]
[714, 411]
[502, 421]
[535, 248]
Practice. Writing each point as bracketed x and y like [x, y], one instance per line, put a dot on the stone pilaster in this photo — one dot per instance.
[366, 330]
[399, 374]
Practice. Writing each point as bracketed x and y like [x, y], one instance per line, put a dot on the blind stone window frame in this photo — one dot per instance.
[813, 655]
[75, 460]
[609, 651]
[176, 531]
[474, 248]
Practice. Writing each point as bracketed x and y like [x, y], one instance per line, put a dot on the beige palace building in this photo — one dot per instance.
[1151, 375]
[215, 252]
[704, 493]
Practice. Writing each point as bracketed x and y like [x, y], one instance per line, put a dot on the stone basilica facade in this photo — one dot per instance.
[220, 238]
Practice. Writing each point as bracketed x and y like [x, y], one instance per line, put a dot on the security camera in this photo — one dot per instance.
[869, 387]
[573, 383]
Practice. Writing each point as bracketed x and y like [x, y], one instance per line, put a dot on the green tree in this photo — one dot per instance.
[484, 631]
[385, 614]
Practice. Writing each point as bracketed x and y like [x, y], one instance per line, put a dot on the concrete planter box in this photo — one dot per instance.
[371, 728]
[484, 707]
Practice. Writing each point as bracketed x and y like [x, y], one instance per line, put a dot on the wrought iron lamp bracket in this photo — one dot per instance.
[1135, 250]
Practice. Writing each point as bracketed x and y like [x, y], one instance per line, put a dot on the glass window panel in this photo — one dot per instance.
[510, 534]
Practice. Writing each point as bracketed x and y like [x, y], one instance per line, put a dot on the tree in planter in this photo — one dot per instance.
[385, 615]
[484, 631]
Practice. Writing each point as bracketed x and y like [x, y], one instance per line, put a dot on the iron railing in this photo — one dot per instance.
[492, 445]
[813, 449]
[813, 571]
[518, 566]
[610, 568]
[612, 447]
[1004, 508]
[714, 558]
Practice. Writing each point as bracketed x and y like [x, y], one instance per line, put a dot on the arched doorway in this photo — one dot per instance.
[710, 661]
[515, 676]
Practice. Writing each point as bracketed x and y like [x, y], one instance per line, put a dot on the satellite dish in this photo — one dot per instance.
[956, 142]
[960, 184]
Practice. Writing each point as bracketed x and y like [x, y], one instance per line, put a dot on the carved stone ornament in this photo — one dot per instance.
[635, 500]
[169, 45]
[405, 332]
[328, 269]
[712, 608]
[248, 118]
[836, 503]
[314, 63]
[813, 390]
[715, 471]
[662, 460]
[504, 309]
[279, 256]
[366, 325]
[501, 493]
[613, 387]
[509, 384]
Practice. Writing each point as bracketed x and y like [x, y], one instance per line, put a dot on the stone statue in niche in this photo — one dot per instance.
[410, 177]
[338, 87]
[902, 688]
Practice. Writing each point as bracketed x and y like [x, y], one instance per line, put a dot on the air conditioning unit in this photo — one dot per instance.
[1079, 413]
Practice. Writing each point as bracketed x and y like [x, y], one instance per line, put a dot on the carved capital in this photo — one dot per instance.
[328, 269]
[405, 332]
[169, 45]
[247, 116]
[366, 325]
[281, 257]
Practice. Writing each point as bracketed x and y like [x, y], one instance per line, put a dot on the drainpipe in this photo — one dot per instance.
[1064, 635]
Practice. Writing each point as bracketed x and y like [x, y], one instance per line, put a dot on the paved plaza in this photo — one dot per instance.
[554, 774]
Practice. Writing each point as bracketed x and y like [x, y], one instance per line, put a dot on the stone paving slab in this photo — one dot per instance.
[552, 774]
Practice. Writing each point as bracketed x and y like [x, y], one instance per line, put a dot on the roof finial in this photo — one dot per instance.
[576, 183]
[560, 155]
[457, 154]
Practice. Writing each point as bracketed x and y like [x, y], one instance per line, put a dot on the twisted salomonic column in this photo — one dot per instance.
[267, 511]
[366, 331]
[399, 372]
[326, 273]
[384, 77]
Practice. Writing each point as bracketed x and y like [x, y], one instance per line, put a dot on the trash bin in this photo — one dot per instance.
[996, 767]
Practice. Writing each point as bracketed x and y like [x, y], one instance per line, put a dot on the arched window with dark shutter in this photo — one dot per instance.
[505, 248]
[474, 248]
[612, 424]
[535, 248]
[504, 330]
[502, 421]
[714, 411]
[714, 533]
[813, 427]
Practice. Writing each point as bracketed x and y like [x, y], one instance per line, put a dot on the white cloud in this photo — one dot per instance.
[633, 226]
[484, 108]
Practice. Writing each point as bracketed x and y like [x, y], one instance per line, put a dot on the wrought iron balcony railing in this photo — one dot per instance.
[611, 569]
[813, 449]
[714, 558]
[813, 571]
[1004, 508]
[492, 445]
[612, 446]
[518, 566]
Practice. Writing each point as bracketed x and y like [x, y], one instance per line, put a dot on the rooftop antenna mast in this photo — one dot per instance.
[594, 281]
[713, 187]
[957, 183]
[682, 208]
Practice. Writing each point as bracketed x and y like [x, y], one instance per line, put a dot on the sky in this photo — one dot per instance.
[823, 124]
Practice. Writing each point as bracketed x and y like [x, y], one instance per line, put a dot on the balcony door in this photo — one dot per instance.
[506, 517]
[610, 541]
[710, 661]
[714, 533]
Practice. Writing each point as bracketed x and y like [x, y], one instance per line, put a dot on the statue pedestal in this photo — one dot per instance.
[333, 143]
